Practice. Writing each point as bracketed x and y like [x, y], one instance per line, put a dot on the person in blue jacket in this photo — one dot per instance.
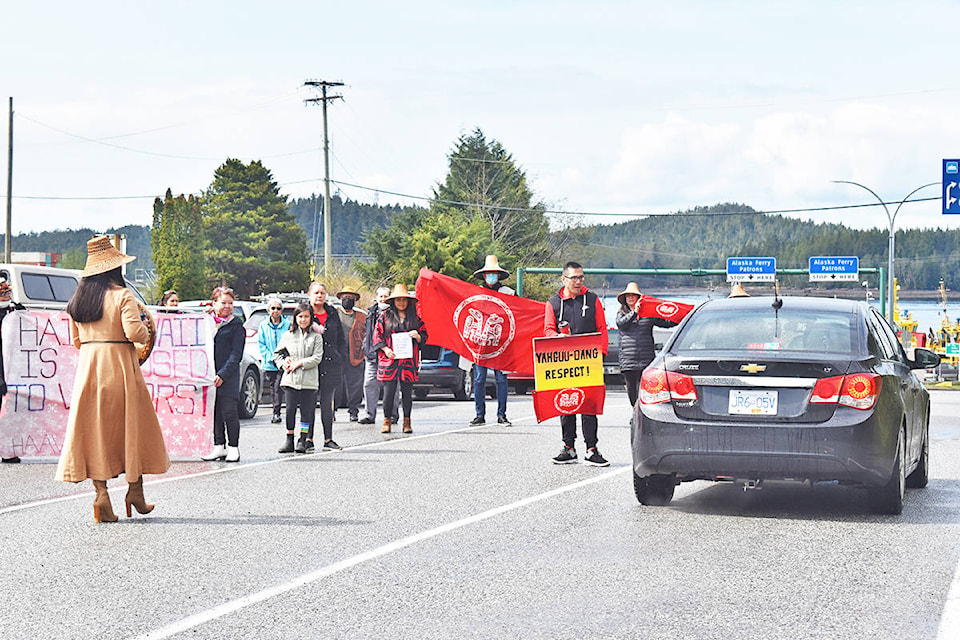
[268, 337]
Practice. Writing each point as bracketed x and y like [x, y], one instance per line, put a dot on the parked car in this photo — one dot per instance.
[443, 369]
[40, 287]
[793, 389]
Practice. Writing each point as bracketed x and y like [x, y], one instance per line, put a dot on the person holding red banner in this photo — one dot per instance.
[574, 310]
[636, 338]
[491, 274]
[399, 329]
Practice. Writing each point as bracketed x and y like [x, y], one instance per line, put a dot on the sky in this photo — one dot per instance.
[615, 109]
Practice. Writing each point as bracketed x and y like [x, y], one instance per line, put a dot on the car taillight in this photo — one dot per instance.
[857, 390]
[251, 332]
[657, 385]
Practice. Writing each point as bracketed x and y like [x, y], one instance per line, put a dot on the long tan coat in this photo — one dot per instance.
[113, 427]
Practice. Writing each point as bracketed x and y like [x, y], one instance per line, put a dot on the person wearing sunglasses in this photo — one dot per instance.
[571, 311]
[268, 337]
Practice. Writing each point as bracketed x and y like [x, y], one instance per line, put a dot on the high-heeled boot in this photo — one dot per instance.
[407, 428]
[135, 498]
[386, 426]
[102, 509]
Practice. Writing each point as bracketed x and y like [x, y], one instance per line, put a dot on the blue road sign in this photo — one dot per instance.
[751, 269]
[951, 186]
[834, 268]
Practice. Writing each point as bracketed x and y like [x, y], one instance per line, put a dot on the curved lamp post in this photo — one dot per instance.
[890, 243]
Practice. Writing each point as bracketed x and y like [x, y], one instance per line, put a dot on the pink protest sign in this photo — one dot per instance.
[40, 364]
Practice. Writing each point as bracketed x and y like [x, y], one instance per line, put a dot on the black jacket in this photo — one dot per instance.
[335, 351]
[373, 314]
[228, 344]
[636, 339]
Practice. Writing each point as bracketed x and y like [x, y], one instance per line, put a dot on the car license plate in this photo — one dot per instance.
[749, 402]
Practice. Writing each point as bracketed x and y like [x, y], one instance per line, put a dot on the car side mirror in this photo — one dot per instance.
[924, 359]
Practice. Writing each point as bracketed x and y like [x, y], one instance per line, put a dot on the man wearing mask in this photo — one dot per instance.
[354, 323]
[491, 275]
[6, 306]
[371, 386]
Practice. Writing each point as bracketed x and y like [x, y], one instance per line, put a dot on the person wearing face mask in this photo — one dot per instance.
[372, 386]
[6, 306]
[354, 322]
[491, 276]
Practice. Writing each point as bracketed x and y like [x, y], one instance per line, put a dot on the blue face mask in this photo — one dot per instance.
[491, 278]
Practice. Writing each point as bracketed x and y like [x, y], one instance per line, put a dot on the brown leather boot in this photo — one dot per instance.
[135, 498]
[102, 509]
[406, 425]
[386, 425]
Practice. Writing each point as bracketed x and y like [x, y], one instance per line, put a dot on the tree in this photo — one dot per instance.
[176, 242]
[253, 243]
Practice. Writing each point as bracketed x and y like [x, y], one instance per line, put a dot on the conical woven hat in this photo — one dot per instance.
[631, 288]
[102, 256]
[492, 265]
[737, 291]
[400, 291]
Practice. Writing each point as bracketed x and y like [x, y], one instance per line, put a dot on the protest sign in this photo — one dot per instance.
[569, 375]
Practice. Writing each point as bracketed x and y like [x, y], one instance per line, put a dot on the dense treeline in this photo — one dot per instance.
[351, 221]
[704, 237]
[72, 243]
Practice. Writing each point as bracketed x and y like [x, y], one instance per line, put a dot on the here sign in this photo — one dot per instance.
[751, 269]
[834, 268]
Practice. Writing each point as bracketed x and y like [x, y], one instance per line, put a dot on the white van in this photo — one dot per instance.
[45, 287]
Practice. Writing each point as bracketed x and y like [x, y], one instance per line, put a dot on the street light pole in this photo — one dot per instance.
[890, 241]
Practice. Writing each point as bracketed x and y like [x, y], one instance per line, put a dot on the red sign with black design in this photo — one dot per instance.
[569, 376]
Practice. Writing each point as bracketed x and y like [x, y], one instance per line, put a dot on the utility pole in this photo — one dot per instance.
[6, 239]
[323, 99]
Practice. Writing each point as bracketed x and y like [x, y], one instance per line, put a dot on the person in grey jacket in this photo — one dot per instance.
[298, 355]
[636, 338]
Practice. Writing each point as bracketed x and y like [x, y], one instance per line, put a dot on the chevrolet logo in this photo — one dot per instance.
[753, 368]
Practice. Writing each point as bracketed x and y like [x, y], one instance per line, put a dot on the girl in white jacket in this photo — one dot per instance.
[298, 354]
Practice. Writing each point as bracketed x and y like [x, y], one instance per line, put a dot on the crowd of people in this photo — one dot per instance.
[324, 357]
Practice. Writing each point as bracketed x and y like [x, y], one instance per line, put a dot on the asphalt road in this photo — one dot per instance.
[470, 532]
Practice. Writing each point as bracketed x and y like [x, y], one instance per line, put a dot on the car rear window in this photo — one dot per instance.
[792, 330]
[48, 287]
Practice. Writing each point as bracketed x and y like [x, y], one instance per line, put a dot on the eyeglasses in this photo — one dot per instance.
[578, 278]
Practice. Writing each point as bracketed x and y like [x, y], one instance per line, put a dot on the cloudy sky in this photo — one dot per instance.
[611, 107]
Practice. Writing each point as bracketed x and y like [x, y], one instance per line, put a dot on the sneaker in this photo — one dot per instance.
[567, 456]
[594, 458]
[308, 448]
[13, 460]
[353, 419]
[366, 420]
[503, 420]
[275, 420]
[478, 420]
[330, 445]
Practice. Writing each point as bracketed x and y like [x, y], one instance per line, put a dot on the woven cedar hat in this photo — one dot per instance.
[631, 288]
[400, 291]
[737, 291]
[348, 289]
[492, 266]
[102, 256]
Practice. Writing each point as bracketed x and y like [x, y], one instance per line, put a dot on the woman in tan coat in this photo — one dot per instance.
[113, 427]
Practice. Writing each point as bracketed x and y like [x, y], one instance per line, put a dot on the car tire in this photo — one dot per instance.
[655, 490]
[420, 393]
[921, 475]
[522, 388]
[888, 499]
[249, 394]
[464, 389]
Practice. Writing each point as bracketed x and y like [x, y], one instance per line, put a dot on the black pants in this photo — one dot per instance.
[588, 424]
[306, 401]
[225, 414]
[276, 393]
[350, 392]
[325, 402]
[390, 394]
[632, 378]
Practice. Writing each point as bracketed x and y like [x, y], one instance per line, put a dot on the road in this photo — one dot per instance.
[470, 532]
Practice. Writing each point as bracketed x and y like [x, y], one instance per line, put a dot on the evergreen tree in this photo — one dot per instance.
[176, 241]
[253, 243]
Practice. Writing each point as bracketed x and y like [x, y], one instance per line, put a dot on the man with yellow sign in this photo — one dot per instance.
[569, 365]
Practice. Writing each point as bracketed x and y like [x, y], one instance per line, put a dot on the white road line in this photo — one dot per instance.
[949, 628]
[235, 605]
[236, 467]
